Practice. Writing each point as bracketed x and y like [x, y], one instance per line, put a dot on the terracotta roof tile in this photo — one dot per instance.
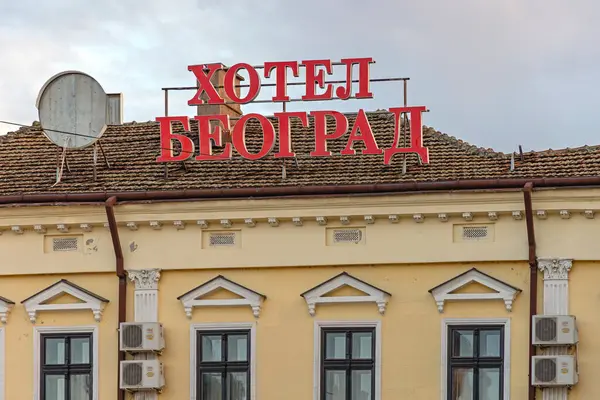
[28, 162]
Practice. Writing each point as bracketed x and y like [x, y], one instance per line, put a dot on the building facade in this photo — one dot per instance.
[325, 279]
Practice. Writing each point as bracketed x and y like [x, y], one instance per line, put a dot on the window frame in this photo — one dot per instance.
[326, 326]
[448, 325]
[58, 331]
[218, 328]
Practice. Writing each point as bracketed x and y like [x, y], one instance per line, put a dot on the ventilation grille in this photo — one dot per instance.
[222, 239]
[132, 336]
[545, 370]
[347, 236]
[65, 244]
[474, 232]
[132, 373]
[545, 329]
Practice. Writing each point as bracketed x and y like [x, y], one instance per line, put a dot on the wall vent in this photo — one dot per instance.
[218, 239]
[345, 236]
[474, 232]
[65, 244]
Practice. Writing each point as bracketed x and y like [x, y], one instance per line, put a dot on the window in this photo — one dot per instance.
[66, 366]
[223, 365]
[347, 363]
[475, 362]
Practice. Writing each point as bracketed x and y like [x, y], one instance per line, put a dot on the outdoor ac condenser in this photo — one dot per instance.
[141, 337]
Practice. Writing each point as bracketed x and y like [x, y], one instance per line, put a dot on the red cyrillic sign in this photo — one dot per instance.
[316, 89]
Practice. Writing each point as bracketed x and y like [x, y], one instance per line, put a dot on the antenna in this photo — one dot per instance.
[72, 108]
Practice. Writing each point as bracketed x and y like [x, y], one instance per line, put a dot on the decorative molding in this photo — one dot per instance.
[274, 222]
[106, 225]
[6, 307]
[493, 216]
[317, 294]
[224, 326]
[39, 330]
[90, 301]
[419, 218]
[17, 229]
[345, 220]
[517, 215]
[369, 219]
[144, 279]
[86, 227]
[443, 292]
[447, 322]
[565, 214]
[555, 268]
[133, 226]
[179, 225]
[250, 222]
[322, 221]
[39, 228]
[156, 225]
[443, 217]
[297, 221]
[394, 219]
[467, 216]
[589, 214]
[319, 325]
[202, 223]
[226, 223]
[62, 228]
[250, 298]
[541, 214]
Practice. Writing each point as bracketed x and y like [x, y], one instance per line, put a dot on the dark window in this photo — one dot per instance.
[223, 365]
[347, 364]
[475, 362]
[66, 366]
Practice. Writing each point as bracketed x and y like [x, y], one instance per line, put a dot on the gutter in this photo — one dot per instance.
[120, 271]
[533, 273]
[277, 191]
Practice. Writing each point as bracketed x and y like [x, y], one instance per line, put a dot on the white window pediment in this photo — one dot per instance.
[500, 290]
[89, 301]
[317, 295]
[249, 297]
[6, 306]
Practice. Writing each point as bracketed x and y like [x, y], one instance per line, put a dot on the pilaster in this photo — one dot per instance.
[145, 310]
[556, 302]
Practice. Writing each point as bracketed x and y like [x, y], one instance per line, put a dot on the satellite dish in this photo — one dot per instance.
[72, 102]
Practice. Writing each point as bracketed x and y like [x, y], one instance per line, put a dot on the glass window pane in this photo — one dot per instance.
[54, 387]
[335, 345]
[211, 348]
[362, 345]
[237, 348]
[80, 351]
[489, 384]
[462, 343]
[361, 385]
[489, 343]
[55, 351]
[462, 384]
[335, 385]
[212, 384]
[80, 387]
[237, 386]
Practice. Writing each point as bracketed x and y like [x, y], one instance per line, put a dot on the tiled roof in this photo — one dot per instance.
[28, 162]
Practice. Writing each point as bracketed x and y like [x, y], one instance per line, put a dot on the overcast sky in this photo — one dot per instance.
[493, 73]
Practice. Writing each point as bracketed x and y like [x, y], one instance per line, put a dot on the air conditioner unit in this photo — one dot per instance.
[141, 336]
[141, 375]
[554, 330]
[554, 371]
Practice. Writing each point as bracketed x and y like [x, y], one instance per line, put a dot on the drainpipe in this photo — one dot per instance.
[533, 271]
[120, 270]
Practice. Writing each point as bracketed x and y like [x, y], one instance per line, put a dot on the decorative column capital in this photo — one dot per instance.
[145, 279]
[555, 268]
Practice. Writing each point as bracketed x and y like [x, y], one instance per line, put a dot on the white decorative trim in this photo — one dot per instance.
[541, 214]
[297, 221]
[419, 218]
[468, 216]
[250, 222]
[555, 268]
[144, 279]
[349, 324]
[250, 298]
[517, 215]
[35, 304]
[17, 229]
[202, 223]
[179, 225]
[226, 223]
[344, 220]
[39, 330]
[274, 222]
[394, 219]
[39, 228]
[589, 214]
[565, 214]
[447, 322]
[322, 221]
[317, 294]
[86, 227]
[443, 292]
[221, 327]
[62, 228]
[493, 216]
[156, 225]
[443, 217]
[6, 307]
[133, 226]
[369, 219]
